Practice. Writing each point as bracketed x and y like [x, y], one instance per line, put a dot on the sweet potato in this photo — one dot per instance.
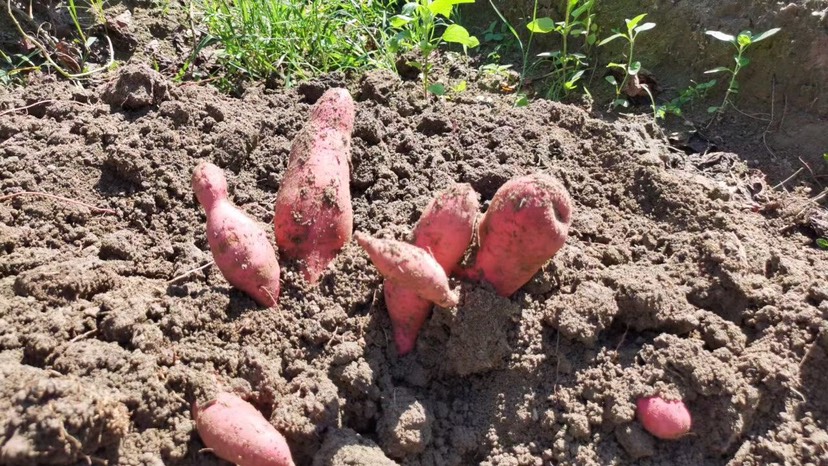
[240, 246]
[409, 267]
[445, 230]
[668, 420]
[525, 225]
[237, 432]
[446, 225]
[313, 216]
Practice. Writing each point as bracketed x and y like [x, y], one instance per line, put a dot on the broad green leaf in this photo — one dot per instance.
[398, 21]
[721, 36]
[581, 9]
[742, 61]
[744, 39]
[766, 34]
[441, 7]
[617, 65]
[572, 4]
[719, 69]
[410, 9]
[632, 23]
[611, 79]
[822, 243]
[541, 25]
[644, 27]
[521, 101]
[460, 87]
[457, 34]
[620, 103]
[713, 109]
[611, 38]
[591, 39]
[575, 77]
[437, 89]
[634, 68]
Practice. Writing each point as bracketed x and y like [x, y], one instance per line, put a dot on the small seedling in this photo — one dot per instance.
[631, 68]
[418, 25]
[822, 243]
[692, 93]
[567, 67]
[741, 42]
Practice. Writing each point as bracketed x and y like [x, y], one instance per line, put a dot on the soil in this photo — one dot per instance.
[684, 275]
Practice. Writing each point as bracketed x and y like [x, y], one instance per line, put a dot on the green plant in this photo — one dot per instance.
[631, 68]
[295, 39]
[423, 26]
[690, 94]
[741, 42]
[822, 243]
[567, 67]
[13, 66]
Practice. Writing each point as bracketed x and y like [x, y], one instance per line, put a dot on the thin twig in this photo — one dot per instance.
[58, 198]
[789, 178]
[17, 109]
[767, 128]
[190, 272]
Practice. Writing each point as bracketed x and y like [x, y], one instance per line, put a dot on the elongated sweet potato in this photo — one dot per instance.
[525, 225]
[313, 216]
[409, 267]
[445, 230]
[240, 246]
[237, 432]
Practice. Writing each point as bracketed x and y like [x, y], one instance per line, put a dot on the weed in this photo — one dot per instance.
[12, 67]
[822, 243]
[567, 67]
[418, 26]
[694, 92]
[631, 68]
[741, 42]
[296, 39]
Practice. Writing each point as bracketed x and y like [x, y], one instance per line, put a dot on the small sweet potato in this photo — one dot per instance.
[409, 267]
[525, 225]
[446, 226]
[237, 432]
[240, 246]
[313, 216]
[445, 230]
[668, 420]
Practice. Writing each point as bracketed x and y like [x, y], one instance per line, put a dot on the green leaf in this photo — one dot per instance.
[581, 9]
[766, 34]
[744, 39]
[541, 25]
[611, 79]
[822, 243]
[742, 61]
[460, 87]
[521, 101]
[441, 7]
[398, 21]
[721, 36]
[611, 38]
[713, 109]
[437, 89]
[634, 68]
[620, 103]
[575, 77]
[632, 23]
[621, 66]
[717, 70]
[644, 27]
[825, 157]
[459, 35]
[591, 39]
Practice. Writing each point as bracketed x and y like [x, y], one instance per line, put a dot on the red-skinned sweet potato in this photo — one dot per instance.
[409, 267]
[237, 432]
[526, 224]
[665, 419]
[241, 249]
[445, 230]
[313, 216]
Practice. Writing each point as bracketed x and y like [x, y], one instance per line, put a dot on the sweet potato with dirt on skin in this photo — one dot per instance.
[237, 432]
[446, 226]
[313, 216]
[241, 249]
[526, 224]
[409, 267]
[665, 419]
[445, 230]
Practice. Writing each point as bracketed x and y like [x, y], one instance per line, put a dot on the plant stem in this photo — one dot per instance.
[623, 84]
[528, 47]
[733, 74]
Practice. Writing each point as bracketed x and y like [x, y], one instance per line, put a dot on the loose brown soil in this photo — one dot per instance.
[683, 275]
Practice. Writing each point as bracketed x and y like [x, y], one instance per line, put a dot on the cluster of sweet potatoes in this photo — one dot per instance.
[526, 223]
